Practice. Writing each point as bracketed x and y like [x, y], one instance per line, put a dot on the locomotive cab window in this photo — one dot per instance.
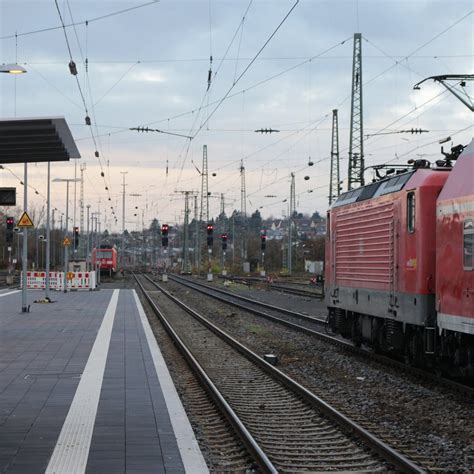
[468, 244]
[411, 212]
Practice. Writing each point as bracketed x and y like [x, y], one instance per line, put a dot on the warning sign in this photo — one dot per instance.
[66, 241]
[25, 221]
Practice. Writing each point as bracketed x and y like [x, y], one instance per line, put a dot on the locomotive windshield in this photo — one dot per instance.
[104, 254]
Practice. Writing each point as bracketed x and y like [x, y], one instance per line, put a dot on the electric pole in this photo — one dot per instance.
[334, 182]
[204, 215]
[122, 256]
[196, 235]
[356, 144]
[186, 268]
[81, 213]
[290, 223]
[222, 205]
[243, 211]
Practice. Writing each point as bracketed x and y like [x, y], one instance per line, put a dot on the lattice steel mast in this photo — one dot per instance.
[82, 234]
[204, 211]
[186, 268]
[356, 144]
[196, 234]
[334, 182]
[243, 210]
[290, 223]
[204, 187]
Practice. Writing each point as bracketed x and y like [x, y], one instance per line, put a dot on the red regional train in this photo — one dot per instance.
[400, 263]
[106, 257]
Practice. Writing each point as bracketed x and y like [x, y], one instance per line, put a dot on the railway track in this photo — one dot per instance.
[317, 327]
[284, 426]
[293, 290]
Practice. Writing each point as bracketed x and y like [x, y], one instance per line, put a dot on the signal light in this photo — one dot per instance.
[76, 237]
[224, 241]
[263, 242]
[9, 233]
[164, 235]
[210, 238]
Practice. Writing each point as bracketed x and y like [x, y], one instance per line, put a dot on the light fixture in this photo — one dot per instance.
[12, 69]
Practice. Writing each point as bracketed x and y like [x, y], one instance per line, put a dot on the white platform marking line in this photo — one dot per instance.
[191, 455]
[72, 448]
[9, 293]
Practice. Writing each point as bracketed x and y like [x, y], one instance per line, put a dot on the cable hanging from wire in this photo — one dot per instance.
[249, 65]
[74, 72]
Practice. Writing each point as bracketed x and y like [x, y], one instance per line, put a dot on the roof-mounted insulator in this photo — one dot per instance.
[73, 68]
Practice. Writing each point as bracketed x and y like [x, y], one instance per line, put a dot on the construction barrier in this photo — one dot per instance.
[75, 280]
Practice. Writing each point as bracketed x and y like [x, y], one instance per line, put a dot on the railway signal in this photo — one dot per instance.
[263, 246]
[263, 242]
[210, 236]
[10, 226]
[164, 235]
[224, 242]
[75, 232]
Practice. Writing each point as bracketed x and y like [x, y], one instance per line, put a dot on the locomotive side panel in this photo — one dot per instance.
[381, 253]
[364, 245]
[369, 251]
[455, 248]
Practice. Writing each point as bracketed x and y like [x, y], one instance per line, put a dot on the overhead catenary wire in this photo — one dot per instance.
[82, 22]
[88, 121]
[249, 65]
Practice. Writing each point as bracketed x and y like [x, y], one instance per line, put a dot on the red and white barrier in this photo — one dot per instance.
[75, 280]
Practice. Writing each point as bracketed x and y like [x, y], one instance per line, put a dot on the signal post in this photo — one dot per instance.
[9, 241]
[263, 246]
[224, 248]
[164, 243]
[210, 239]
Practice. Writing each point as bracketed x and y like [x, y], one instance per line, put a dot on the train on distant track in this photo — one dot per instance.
[399, 272]
[105, 257]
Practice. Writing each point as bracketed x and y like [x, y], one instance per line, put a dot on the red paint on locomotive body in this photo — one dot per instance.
[455, 247]
[372, 247]
[417, 260]
[400, 262]
[106, 258]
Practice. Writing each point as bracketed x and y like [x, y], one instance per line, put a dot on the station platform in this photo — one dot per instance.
[84, 389]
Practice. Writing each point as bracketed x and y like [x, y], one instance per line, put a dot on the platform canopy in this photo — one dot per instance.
[34, 140]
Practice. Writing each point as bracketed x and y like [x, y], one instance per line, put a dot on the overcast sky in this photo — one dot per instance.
[149, 67]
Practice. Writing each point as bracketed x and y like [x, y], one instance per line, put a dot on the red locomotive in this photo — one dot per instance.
[106, 258]
[400, 262]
